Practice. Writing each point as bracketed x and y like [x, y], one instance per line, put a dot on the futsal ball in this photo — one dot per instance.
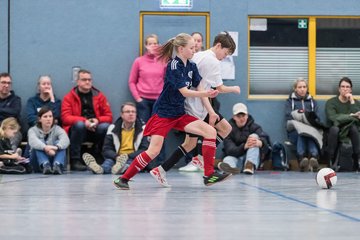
[326, 178]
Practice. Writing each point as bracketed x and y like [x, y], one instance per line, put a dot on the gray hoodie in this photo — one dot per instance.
[56, 137]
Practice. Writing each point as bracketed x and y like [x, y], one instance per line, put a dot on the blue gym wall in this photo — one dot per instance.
[50, 37]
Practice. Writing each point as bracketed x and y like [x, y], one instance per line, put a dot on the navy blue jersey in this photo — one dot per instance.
[170, 103]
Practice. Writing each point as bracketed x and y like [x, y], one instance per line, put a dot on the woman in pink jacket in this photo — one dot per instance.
[146, 78]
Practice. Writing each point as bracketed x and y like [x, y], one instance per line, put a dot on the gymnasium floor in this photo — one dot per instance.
[268, 205]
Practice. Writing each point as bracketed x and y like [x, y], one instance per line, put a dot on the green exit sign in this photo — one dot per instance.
[302, 23]
[175, 3]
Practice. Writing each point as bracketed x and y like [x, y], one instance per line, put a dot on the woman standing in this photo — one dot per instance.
[48, 143]
[146, 78]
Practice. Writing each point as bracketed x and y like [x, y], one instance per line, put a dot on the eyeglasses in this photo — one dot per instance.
[129, 111]
[85, 79]
[5, 83]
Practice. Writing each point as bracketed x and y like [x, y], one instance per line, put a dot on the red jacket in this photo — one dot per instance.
[71, 108]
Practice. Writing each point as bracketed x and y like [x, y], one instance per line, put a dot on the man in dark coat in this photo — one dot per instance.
[247, 144]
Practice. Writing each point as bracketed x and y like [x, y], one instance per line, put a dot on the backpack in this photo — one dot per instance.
[344, 160]
[279, 157]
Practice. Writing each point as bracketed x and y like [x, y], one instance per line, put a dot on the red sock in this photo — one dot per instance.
[208, 152]
[137, 165]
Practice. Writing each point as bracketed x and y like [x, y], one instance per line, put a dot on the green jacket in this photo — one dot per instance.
[338, 114]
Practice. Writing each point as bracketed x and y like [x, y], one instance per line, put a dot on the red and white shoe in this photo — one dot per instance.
[160, 176]
[198, 162]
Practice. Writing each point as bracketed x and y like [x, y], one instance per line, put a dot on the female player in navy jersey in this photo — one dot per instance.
[169, 111]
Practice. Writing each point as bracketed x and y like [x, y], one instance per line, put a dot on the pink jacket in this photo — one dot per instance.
[146, 78]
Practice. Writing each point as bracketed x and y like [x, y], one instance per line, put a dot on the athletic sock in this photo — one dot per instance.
[174, 158]
[139, 163]
[208, 151]
[219, 140]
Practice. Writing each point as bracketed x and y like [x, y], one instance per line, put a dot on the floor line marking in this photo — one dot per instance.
[303, 202]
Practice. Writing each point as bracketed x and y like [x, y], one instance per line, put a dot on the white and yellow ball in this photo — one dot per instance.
[326, 178]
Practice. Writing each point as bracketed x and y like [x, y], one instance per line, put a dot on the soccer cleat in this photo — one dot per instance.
[198, 162]
[189, 168]
[121, 183]
[195, 165]
[225, 167]
[215, 178]
[119, 164]
[90, 161]
[160, 176]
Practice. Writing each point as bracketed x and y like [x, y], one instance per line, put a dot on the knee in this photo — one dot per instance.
[78, 126]
[254, 135]
[102, 127]
[333, 131]
[210, 132]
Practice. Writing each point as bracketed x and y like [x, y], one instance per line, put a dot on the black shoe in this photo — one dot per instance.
[215, 178]
[121, 183]
[227, 168]
[76, 165]
[46, 168]
[57, 169]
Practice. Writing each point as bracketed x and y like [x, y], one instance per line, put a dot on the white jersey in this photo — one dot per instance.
[210, 71]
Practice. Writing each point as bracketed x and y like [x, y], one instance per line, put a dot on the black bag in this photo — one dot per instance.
[279, 157]
[344, 159]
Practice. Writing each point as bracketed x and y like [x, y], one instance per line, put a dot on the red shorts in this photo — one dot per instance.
[162, 126]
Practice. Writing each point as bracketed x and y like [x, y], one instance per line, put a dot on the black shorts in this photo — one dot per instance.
[207, 121]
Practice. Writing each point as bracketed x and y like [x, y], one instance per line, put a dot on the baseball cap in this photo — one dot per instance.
[239, 108]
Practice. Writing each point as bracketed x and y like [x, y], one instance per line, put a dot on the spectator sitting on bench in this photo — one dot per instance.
[301, 133]
[85, 115]
[123, 142]
[343, 114]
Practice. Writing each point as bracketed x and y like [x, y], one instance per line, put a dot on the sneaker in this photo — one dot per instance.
[304, 164]
[160, 176]
[119, 164]
[46, 168]
[198, 162]
[249, 168]
[191, 167]
[57, 169]
[121, 183]
[225, 167]
[76, 165]
[215, 178]
[314, 164]
[90, 161]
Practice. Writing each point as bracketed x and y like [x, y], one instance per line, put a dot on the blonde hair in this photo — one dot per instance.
[300, 79]
[151, 36]
[166, 51]
[11, 123]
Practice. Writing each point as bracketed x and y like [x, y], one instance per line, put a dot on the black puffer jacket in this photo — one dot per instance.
[235, 142]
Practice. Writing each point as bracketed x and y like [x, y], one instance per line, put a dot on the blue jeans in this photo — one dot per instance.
[79, 134]
[41, 157]
[109, 163]
[252, 155]
[304, 145]
[144, 109]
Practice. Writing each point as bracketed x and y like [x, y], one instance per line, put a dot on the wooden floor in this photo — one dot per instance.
[268, 205]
